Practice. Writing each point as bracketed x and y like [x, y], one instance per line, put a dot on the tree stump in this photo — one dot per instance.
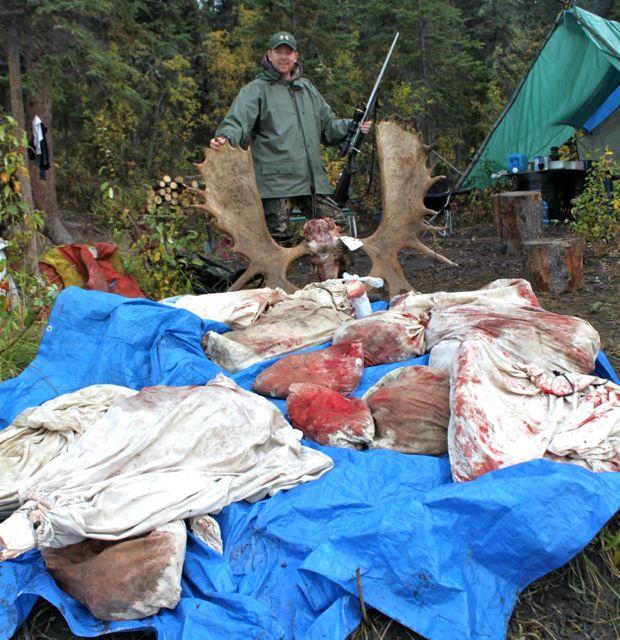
[518, 217]
[554, 264]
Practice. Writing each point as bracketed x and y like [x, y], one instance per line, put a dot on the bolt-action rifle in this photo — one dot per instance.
[350, 146]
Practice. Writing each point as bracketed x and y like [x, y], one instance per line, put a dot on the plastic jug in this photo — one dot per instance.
[516, 161]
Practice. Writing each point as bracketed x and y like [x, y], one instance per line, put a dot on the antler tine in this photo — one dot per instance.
[205, 207]
[433, 180]
[431, 227]
[243, 279]
[416, 243]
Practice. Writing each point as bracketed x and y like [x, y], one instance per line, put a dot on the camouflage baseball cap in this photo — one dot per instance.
[283, 37]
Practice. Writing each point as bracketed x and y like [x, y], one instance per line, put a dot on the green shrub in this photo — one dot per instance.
[20, 227]
[157, 240]
[25, 297]
[596, 210]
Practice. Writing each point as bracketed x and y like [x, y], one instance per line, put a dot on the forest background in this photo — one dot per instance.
[133, 89]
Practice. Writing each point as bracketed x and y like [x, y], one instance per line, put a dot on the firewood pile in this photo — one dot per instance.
[175, 192]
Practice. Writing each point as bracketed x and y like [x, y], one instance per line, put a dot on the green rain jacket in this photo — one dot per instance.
[285, 123]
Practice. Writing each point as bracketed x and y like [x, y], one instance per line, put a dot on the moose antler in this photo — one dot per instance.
[232, 199]
[405, 179]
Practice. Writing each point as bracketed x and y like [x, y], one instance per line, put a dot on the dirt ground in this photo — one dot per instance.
[576, 602]
[477, 251]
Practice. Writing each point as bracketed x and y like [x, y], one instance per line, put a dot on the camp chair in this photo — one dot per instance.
[438, 199]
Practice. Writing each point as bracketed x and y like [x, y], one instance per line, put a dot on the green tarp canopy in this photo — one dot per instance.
[577, 68]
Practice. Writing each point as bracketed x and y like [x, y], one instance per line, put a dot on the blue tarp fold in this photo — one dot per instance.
[445, 559]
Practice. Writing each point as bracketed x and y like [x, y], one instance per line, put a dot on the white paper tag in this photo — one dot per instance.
[351, 243]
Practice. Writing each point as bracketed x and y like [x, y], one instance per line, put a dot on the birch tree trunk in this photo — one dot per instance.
[428, 129]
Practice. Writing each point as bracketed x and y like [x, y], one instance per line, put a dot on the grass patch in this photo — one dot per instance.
[579, 601]
[18, 347]
[45, 622]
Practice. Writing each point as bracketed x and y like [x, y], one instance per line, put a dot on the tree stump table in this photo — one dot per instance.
[554, 264]
[518, 217]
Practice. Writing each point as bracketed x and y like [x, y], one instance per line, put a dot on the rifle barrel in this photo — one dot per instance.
[375, 89]
[350, 145]
[372, 98]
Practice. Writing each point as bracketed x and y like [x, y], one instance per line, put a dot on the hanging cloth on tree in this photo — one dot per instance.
[37, 147]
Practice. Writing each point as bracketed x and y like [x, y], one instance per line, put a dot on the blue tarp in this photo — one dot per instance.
[609, 106]
[445, 559]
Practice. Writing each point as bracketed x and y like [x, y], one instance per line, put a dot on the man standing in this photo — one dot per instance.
[284, 119]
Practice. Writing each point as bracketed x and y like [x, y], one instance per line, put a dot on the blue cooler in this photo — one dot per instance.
[516, 161]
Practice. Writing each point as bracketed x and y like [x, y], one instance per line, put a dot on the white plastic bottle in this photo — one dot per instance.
[357, 292]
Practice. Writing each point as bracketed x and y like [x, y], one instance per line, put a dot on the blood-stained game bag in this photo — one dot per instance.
[339, 368]
[329, 418]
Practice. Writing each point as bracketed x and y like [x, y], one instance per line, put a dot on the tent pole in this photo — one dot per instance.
[514, 96]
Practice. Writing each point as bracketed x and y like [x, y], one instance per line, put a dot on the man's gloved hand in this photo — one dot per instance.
[216, 143]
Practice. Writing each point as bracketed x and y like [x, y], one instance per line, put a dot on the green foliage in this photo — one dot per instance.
[596, 210]
[614, 12]
[128, 103]
[19, 304]
[158, 239]
[611, 541]
[230, 59]
[25, 298]
[18, 346]
[12, 144]
[139, 87]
